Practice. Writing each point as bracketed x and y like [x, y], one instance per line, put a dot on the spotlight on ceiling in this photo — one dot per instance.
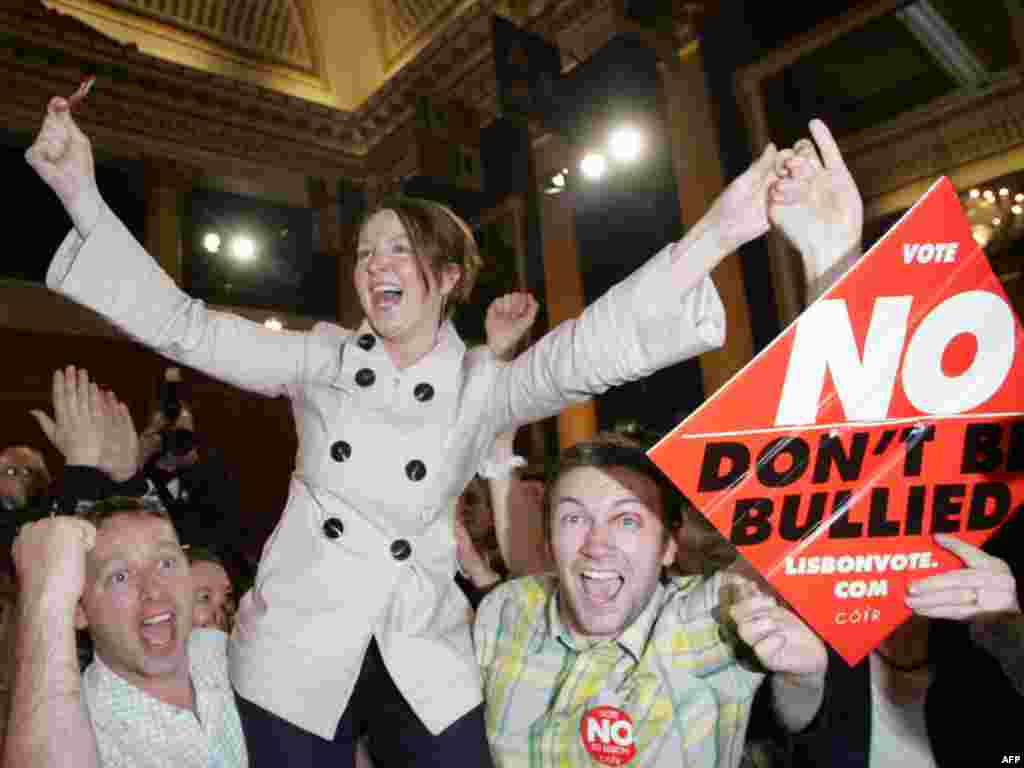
[211, 242]
[243, 248]
[593, 166]
[625, 144]
[557, 182]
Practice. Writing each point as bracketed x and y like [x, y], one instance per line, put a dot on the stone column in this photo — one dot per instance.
[698, 170]
[338, 209]
[165, 182]
[563, 283]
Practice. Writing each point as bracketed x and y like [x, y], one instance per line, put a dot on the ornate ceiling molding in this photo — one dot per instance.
[273, 29]
[264, 42]
[146, 105]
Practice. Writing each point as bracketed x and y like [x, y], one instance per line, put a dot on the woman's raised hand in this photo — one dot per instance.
[62, 156]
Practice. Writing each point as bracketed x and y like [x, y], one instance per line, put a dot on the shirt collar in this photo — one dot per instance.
[633, 639]
[107, 679]
[111, 684]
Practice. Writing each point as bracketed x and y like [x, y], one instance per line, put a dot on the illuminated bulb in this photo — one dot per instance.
[243, 248]
[273, 324]
[974, 193]
[211, 242]
[625, 144]
[996, 221]
[990, 195]
[1017, 210]
[1019, 197]
[593, 166]
[981, 233]
[1004, 192]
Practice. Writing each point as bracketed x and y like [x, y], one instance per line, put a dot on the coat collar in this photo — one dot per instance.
[440, 366]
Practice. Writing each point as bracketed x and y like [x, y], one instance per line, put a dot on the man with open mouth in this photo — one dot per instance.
[157, 694]
[605, 662]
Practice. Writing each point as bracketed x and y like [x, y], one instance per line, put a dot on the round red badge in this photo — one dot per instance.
[607, 734]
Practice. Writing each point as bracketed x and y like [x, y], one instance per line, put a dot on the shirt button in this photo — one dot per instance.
[416, 470]
[423, 392]
[333, 528]
[400, 549]
[340, 450]
[366, 341]
[365, 377]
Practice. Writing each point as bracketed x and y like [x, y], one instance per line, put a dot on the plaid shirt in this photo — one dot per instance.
[136, 730]
[670, 671]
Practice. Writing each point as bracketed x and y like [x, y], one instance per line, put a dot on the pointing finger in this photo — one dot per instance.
[827, 145]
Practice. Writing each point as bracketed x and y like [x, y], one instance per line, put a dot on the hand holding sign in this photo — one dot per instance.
[815, 204]
[62, 156]
[889, 411]
[782, 642]
[986, 587]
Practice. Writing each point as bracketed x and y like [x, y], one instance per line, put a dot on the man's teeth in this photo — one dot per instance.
[600, 575]
[158, 619]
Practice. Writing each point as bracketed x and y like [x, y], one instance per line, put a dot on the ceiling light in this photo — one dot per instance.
[1004, 192]
[625, 144]
[1017, 210]
[243, 248]
[1019, 197]
[593, 166]
[211, 242]
[981, 233]
[996, 221]
[557, 182]
[975, 193]
[989, 194]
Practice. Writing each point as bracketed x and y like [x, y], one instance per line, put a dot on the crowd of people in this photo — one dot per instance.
[425, 600]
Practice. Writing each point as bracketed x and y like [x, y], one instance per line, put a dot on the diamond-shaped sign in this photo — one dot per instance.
[891, 409]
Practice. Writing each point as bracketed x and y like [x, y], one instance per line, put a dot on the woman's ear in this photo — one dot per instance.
[450, 276]
[81, 620]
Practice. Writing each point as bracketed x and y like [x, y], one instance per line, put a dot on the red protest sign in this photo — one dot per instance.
[890, 410]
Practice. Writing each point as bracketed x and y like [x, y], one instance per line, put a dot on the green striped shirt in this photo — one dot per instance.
[671, 672]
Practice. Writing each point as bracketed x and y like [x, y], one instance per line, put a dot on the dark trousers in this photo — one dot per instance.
[395, 735]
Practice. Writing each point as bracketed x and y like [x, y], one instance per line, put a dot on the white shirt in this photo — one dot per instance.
[136, 730]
